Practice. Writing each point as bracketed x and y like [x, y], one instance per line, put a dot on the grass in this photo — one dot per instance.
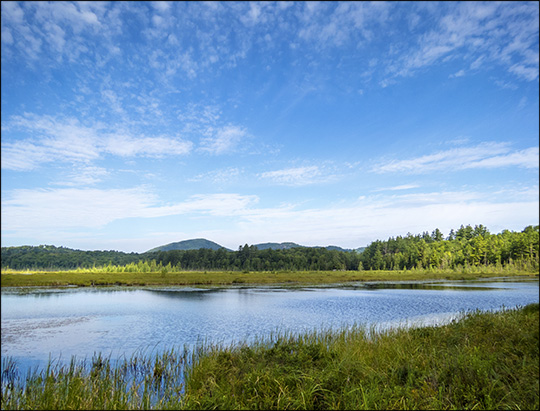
[484, 360]
[13, 278]
[140, 382]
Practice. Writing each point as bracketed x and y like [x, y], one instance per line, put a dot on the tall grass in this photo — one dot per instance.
[12, 278]
[139, 382]
[484, 360]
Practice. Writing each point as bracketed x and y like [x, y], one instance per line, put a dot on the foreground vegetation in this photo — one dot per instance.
[485, 360]
[97, 277]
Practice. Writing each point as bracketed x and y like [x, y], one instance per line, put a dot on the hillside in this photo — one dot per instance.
[198, 243]
[277, 246]
[288, 246]
[194, 244]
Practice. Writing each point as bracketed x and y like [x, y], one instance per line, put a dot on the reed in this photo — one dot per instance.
[80, 278]
[482, 360]
[143, 381]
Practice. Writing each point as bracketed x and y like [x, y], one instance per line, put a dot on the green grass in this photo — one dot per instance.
[140, 382]
[13, 278]
[484, 360]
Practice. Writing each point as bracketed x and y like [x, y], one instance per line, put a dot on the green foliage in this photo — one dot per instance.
[465, 248]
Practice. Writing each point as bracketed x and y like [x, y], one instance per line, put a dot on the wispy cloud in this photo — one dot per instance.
[220, 176]
[130, 146]
[331, 25]
[351, 224]
[503, 33]
[398, 188]
[293, 176]
[51, 139]
[299, 176]
[485, 155]
[459, 73]
[24, 210]
[221, 35]
[84, 176]
[223, 140]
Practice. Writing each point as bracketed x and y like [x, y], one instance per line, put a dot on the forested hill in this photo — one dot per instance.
[194, 244]
[465, 247]
[52, 257]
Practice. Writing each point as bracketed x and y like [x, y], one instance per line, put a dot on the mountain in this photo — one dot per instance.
[336, 248]
[286, 246]
[277, 246]
[194, 244]
[197, 243]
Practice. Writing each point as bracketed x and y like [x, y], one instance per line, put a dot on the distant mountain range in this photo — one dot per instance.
[198, 243]
[193, 244]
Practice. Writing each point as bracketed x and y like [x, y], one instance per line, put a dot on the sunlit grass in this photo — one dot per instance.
[484, 360]
[80, 277]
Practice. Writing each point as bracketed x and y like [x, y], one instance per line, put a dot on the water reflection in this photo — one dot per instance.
[123, 320]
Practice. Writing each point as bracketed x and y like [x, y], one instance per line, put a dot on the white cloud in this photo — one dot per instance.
[223, 140]
[161, 6]
[478, 32]
[7, 38]
[70, 208]
[129, 146]
[485, 155]
[84, 176]
[528, 158]
[528, 73]
[398, 188]
[62, 212]
[459, 73]
[65, 209]
[297, 176]
[379, 217]
[221, 176]
[66, 140]
[326, 24]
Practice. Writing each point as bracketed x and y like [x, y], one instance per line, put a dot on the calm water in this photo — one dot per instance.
[79, 322]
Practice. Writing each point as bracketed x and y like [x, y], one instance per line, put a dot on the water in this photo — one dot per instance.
[58, 323]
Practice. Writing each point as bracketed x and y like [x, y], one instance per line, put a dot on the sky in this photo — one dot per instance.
[129, 125]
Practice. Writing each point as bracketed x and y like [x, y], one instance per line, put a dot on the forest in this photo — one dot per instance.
[465, 247]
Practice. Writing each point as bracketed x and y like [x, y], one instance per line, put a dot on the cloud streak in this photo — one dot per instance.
[485, 155]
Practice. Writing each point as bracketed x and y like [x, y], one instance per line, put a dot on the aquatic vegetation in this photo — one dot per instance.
[484, 360]
[94, 278]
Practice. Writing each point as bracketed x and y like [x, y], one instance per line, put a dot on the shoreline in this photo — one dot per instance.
[24, 278]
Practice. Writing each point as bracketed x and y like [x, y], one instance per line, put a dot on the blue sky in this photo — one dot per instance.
[128, 125]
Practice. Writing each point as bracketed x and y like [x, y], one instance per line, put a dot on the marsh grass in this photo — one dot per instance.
[81, 278]
[483, 360]
[143, 381]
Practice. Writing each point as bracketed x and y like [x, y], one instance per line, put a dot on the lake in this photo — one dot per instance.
[38, 323]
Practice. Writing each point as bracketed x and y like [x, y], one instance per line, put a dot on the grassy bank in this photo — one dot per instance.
[12, 278]
[482, 361]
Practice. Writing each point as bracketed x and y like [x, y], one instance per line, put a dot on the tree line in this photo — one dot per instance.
[466, 247]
